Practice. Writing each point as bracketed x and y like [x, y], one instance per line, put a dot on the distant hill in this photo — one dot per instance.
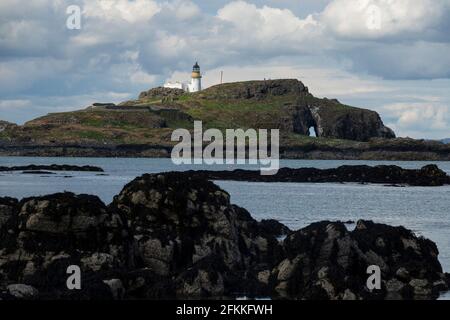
[143, 127]
[446, 140]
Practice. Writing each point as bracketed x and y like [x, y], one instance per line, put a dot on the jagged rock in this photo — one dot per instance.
[326, 261]
[297, 119]
[8, 220]
[179, 222]
[274, 227]
[117, 289]
[160, 93]
[22, 291]
[4, 125]
[8, 207]
[256, 89]
[429, 175]
[331, 119]
[47, 234]
[355, 124]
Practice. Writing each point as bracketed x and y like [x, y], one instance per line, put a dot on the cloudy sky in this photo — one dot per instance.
[392, 56]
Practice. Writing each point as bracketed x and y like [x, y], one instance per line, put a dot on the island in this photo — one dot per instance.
[310, 127]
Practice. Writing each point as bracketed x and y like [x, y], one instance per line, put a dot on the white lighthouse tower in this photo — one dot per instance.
[196, 81]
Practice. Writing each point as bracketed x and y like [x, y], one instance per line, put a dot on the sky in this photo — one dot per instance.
[391, 56]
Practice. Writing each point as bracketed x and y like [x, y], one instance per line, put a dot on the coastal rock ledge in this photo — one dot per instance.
[176, 235]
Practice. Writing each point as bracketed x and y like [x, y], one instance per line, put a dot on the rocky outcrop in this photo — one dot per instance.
[297, 118]
[349, 124]
[53, 167]
[185, 228]
[326, 261]
[4, 125]
[328, 117]
[176, 235]
[429, 175]
[166, 235]
[160, 93]
[274, 227]
[43, 236]
[255, 89]
[8, 219]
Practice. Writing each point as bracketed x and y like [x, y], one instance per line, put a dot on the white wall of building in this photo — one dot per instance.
[175, 85]
[195, 85]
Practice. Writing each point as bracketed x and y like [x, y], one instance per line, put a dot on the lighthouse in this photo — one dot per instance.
[194, 86]
[196, 81]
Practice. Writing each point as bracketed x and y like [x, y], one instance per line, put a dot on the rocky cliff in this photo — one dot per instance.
[302, 111]
[174, 235]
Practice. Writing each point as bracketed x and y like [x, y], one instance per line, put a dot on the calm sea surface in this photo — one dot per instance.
[425, 210]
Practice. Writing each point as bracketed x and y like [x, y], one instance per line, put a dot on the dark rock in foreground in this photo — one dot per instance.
[175, 235]
[325, 261]
[45, 235]
[53, 167]
[429, 175]
[185, 228]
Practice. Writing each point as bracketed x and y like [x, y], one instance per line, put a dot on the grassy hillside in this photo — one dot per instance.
[97, 126]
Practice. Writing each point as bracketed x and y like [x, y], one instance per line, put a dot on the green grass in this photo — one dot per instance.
[92, 135]
[4, 135]
[235, 114]
[293, 139]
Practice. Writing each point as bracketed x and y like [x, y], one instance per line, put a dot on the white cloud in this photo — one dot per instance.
[142, 77]
[183, 9]
[88, 40]
[266, 24]
[420, 119]
[379, 18]
[170, 45]
[14, 104]
[136, 11]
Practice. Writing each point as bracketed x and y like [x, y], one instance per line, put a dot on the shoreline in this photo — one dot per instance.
[308, 152]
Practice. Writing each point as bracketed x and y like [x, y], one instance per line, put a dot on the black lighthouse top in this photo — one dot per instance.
[196, 67]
